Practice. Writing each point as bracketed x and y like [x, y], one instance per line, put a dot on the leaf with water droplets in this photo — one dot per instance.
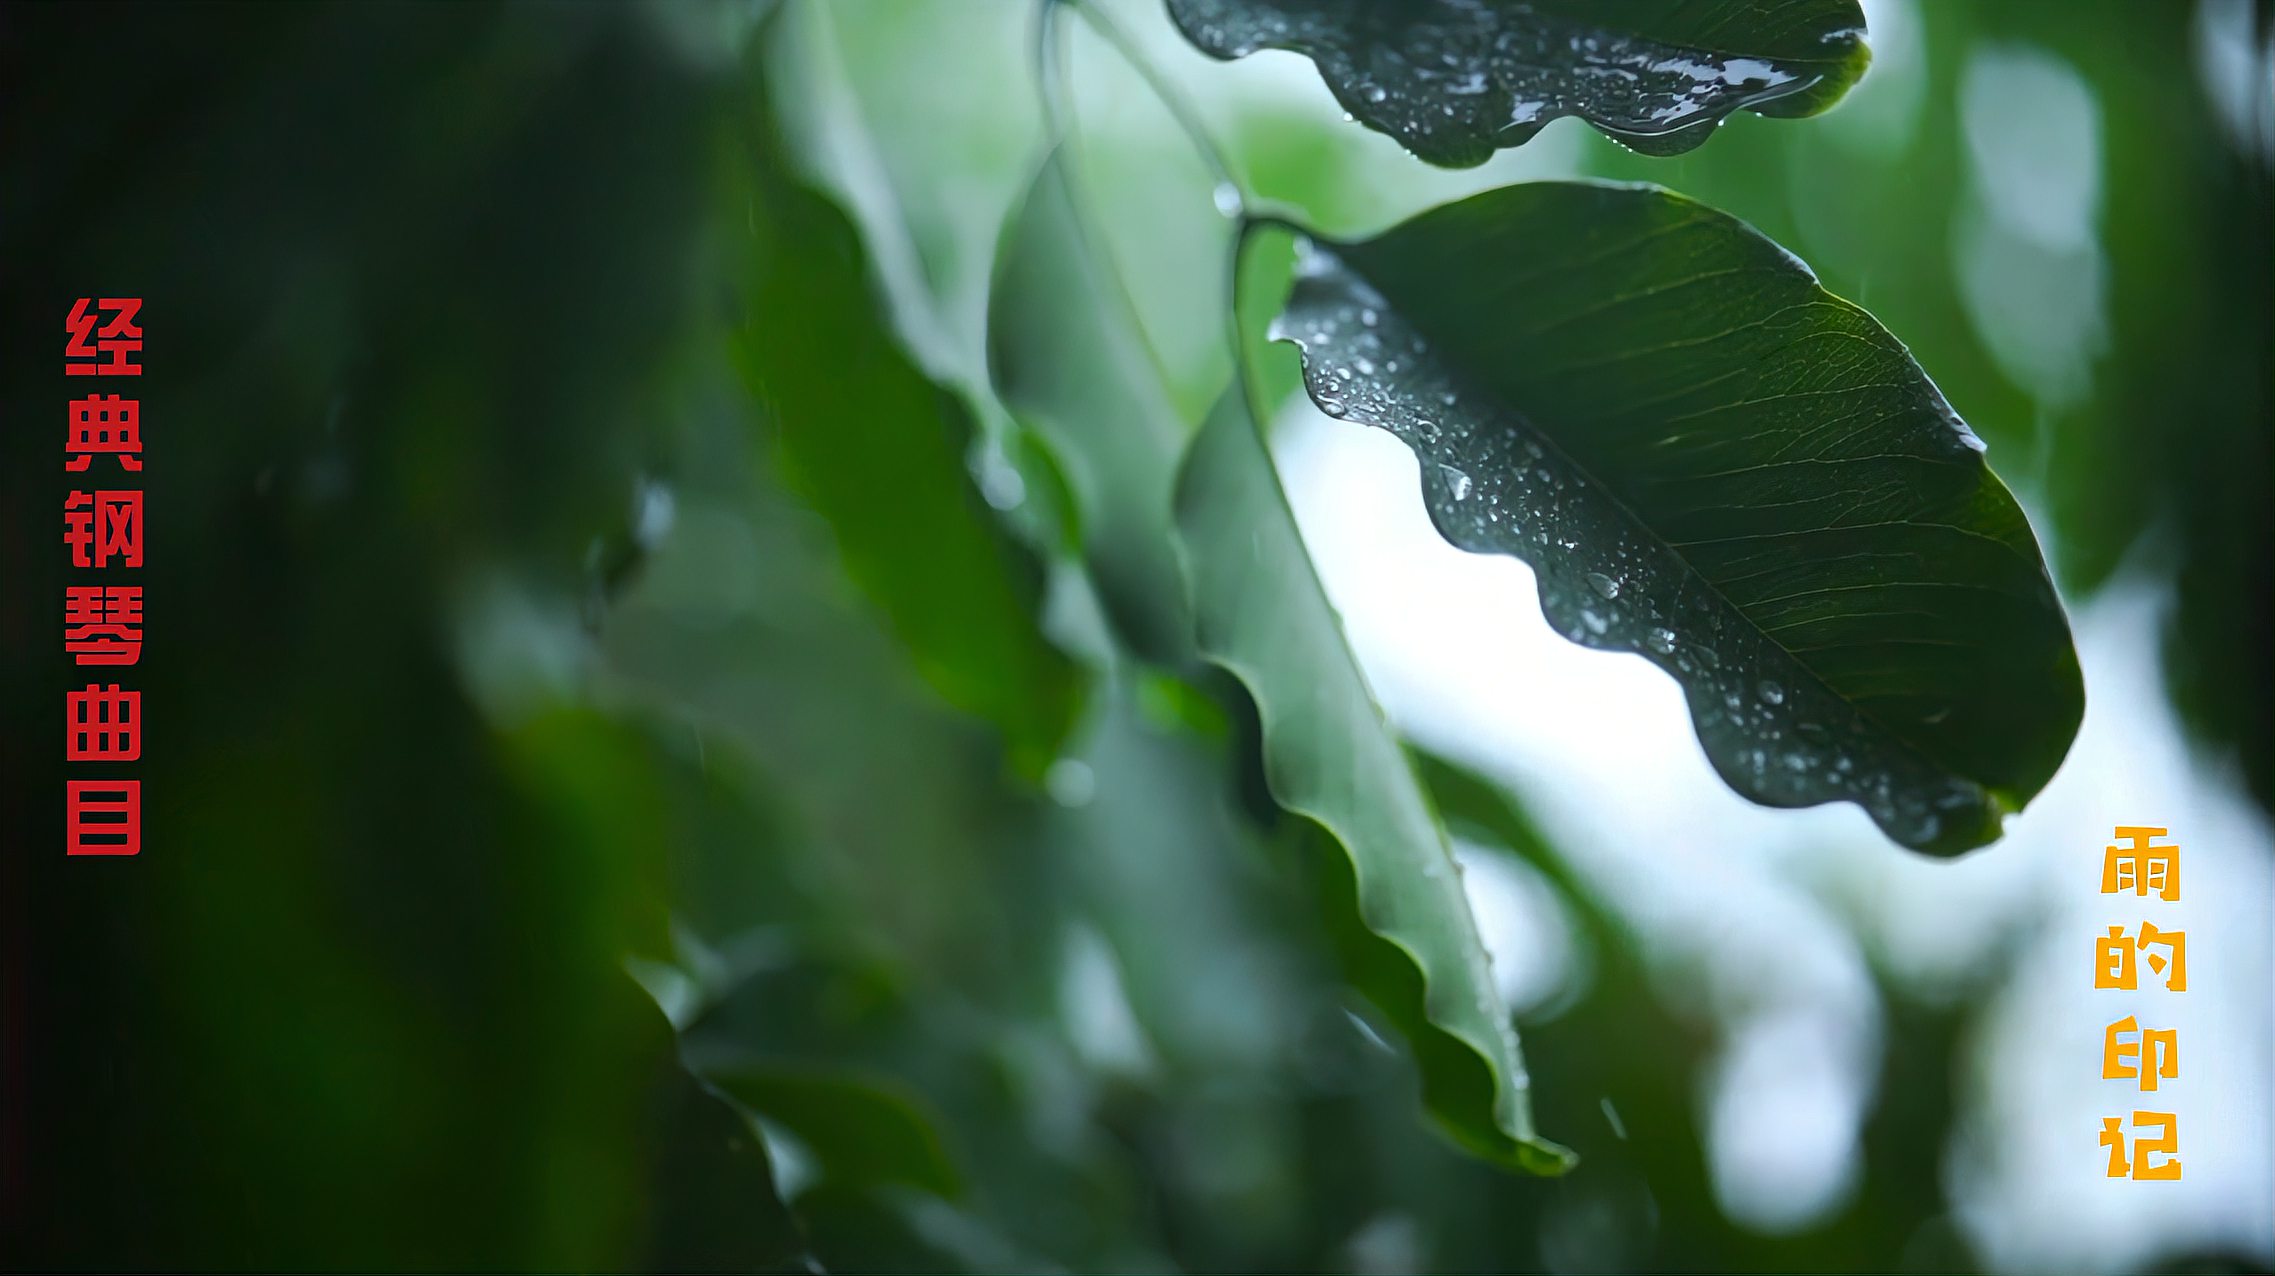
[1395, 899]
[1711, 461]
[1455, 80]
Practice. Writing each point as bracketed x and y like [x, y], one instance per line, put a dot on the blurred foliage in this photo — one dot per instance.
[879, 450]
[514, 613]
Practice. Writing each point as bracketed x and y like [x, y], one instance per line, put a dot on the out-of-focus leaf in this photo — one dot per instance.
[1329, 757]
[1455, 80]
[2185, 213]
[358, 1002]
[1619, 1070]
[881, 452]
[698, 837]
[712, 1204]
[861, 1131]
[1478, 808]
[1063, 352]
[1713, 463]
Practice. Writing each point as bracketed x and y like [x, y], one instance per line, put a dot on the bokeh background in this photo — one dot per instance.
[520, 691]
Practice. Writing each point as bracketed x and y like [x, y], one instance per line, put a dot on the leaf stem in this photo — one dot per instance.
[1231, 197]
[1179, 109]
[1063, 136]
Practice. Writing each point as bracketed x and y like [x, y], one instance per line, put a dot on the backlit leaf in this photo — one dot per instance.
[1713, 463]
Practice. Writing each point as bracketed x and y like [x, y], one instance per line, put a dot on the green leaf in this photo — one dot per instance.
[861, 1129]
[1455, 80]
[712, 1202]
[1712, 462]
[1481, 810]
[1066, 362]
[1260, 613]
[880, 451]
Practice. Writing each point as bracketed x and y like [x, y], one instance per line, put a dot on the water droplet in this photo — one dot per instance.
[1603, 584]
[1661, 640]
[1227, 198]
[1457, 482]
[1771, 692]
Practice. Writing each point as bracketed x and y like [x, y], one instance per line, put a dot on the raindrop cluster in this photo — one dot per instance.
[1456, 79]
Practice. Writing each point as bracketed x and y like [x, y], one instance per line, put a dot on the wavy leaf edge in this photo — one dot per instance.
[1920, 808]
[1494, 75]
[1476, 1020]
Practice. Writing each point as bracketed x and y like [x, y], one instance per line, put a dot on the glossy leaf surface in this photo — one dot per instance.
[1713, 463]
[1456, 80]
[1259, 612]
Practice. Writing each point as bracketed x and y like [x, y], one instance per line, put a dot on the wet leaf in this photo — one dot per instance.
[1456, 80]
[1259, 612]
[1713, 463]
[1065, 359]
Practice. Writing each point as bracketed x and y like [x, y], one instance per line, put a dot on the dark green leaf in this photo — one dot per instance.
[862, 1130]
[1714, 463]
[1260, 613]
[1455, 80]
[712, 1203]
[881, 452]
